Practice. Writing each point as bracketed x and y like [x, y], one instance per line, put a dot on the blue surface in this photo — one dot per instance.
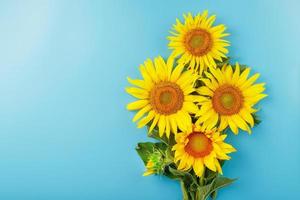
[64, 130]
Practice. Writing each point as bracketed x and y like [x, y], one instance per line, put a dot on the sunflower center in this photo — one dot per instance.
[198, 42]
[166, 98]
[199, 145]
[227, 100]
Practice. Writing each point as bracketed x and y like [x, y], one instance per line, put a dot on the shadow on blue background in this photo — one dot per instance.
[64, 130]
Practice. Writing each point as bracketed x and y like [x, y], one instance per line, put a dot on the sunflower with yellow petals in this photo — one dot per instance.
[164, 94]
[198, 43]
[198, 148]
[229, 98]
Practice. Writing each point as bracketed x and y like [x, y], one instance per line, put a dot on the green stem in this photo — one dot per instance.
[214, 195]
[201, 181]
[185, 193]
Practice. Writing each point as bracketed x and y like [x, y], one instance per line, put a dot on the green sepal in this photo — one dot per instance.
[256, 119]
[145, 149]
[155, 135]
[173, 173]
[209, 175]
[224, 61]
[202, 192]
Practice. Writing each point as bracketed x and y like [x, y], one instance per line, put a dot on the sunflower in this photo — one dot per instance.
[198, 42]
[230, 97]
[200, 148]
[164, 96]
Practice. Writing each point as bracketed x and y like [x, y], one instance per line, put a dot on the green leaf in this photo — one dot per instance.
[145, 149]
[220, 182]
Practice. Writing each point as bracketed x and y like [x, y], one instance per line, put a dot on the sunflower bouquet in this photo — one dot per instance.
[190, 102]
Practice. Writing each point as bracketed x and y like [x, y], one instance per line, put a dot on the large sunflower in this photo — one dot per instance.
[200, 148]
[165, 96]
[231, 96]
[198, 42]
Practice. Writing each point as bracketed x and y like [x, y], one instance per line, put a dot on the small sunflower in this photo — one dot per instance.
[231, 96]
[198, 42]
[155, 164]
[198, 148]
[164, 96]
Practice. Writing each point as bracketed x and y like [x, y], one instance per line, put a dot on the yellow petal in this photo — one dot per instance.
[160, 67]
[247, 117]
[227, 148]
[236, 74]
[232, 126]
[148, 173]
[186, 78]
[189, 162]
[243, 76]
[151, 70]
[195, 98]
[173, 124]
[208, 83]
[182, 164]
[145, 74]
[168, 128]
[146, 119]
[240, 123]
[223, 123]
[180, 121]
[206, 116]
[217, 73]
[139, 83]
[198, 167]
[186, 119]
[203, 90]
[219, 168]
[190, 107]
[254, 90]
[137, 92]
[228, 73]
[176, 72]
[161, 125]
[136, 105]
[212, 121]
[209, 163]
[253, 100]
[155, 120]
[210, 21]
[170, 64]
[250, 81]
[205, 107]
[141, 112]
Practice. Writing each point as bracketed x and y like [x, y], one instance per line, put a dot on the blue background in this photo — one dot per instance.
[64, 130]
